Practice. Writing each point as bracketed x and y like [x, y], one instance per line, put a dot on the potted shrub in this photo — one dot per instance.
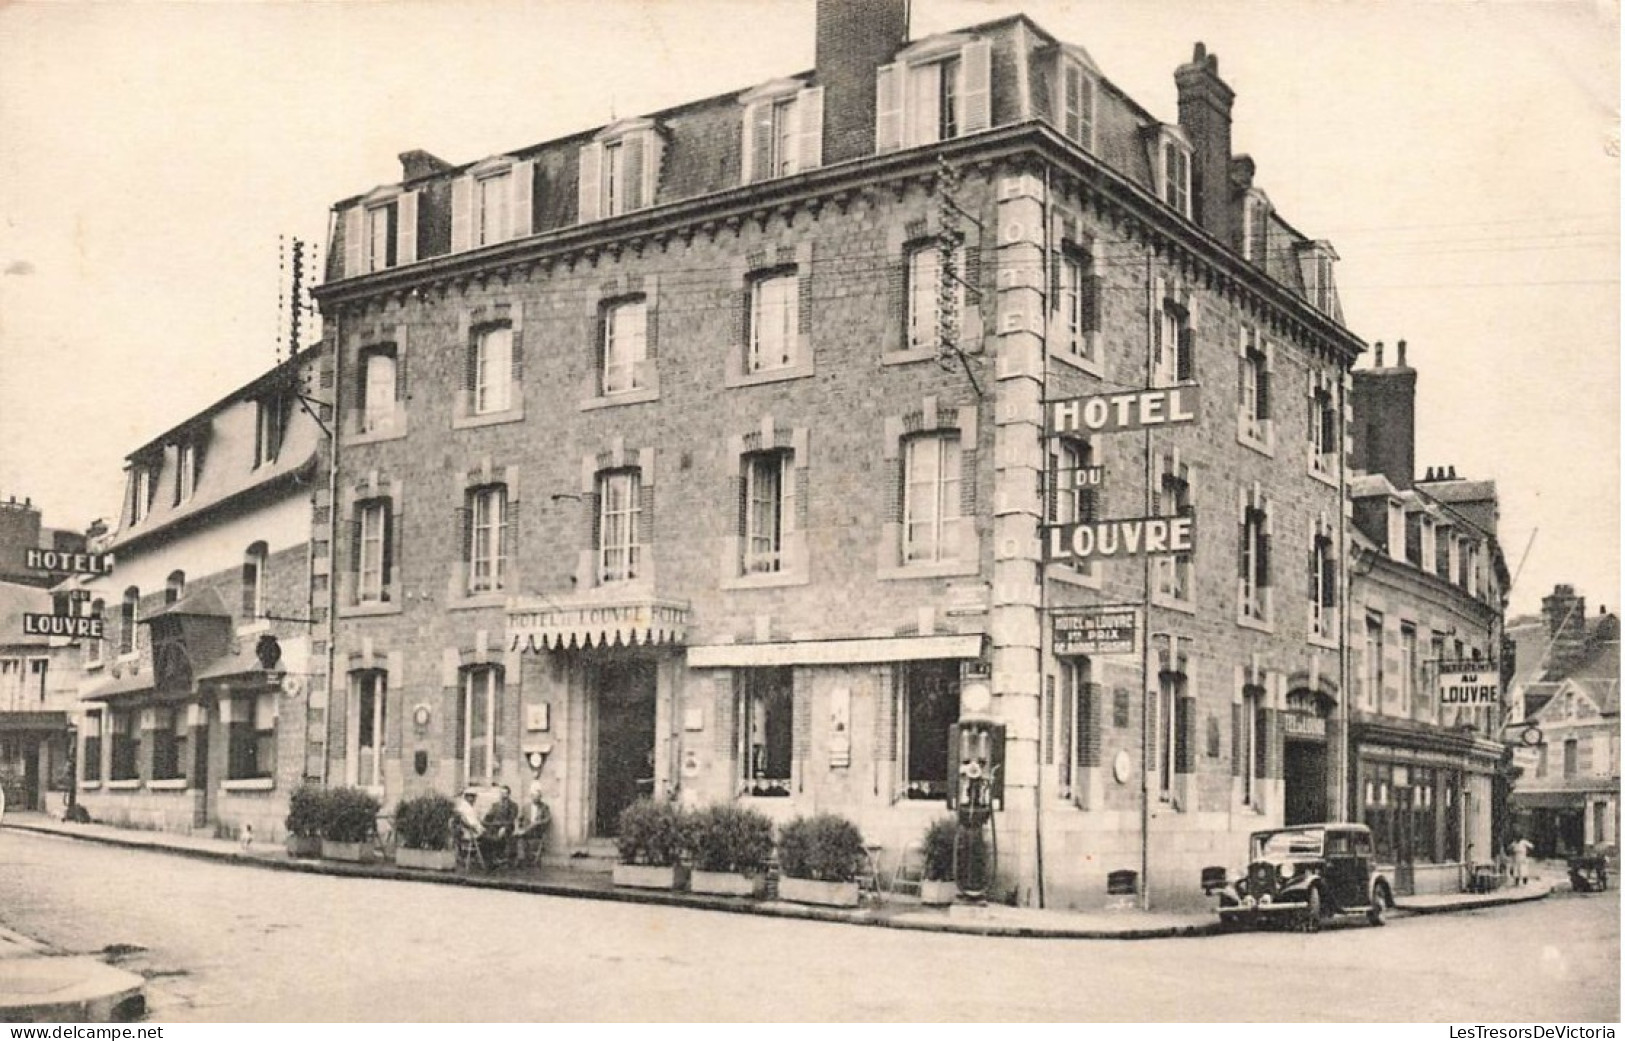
[423, 833]
[820, 858]
[937, 885]
[727, 848]
[307, 813]
[351, 822]
[650, 844]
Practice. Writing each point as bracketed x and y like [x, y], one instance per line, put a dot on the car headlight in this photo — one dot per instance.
[1264, 900]
[1248, 902]
[1286, 870]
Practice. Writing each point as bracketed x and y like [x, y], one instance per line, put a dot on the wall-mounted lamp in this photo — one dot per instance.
[536, 757]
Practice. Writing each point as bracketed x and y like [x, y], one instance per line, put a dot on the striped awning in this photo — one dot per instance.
[628, 622]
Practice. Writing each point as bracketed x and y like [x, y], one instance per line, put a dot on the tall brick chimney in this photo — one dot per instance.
[1384, 402]
[1205, 101]
[1565, 617]
[855, 37]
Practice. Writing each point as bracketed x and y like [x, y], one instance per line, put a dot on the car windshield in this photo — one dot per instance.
[1276, 844]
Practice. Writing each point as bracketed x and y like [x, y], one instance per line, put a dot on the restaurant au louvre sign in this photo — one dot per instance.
[550, 625]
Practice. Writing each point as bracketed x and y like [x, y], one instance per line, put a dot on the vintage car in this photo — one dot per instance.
[1304, 875]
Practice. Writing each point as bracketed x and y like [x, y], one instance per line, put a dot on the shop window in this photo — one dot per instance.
[766, 704]
[91, 756]
[251, 738]
[126, 746]
[477, 722]
[368, 699]
[169, 744]
[930, 695]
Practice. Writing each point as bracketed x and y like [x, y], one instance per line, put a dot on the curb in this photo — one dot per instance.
[730, 905]
[1540, 892]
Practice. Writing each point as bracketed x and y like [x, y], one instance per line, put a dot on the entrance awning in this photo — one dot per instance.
[551, 625]
[1549, 800]
[835, 652]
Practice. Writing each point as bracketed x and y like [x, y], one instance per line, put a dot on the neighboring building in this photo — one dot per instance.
[650, 480]
[1567, 796]
[37, 695]
[21, 531]
[1427, 584]
[193, 707]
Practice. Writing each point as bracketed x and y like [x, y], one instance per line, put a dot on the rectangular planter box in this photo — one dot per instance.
[642, 876]
[353, 852]
[811, 891]
[724, 883]
[938, 894]
[304, 846]
[426, 859]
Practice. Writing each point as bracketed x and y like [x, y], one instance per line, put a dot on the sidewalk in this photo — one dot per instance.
[892, 912]
[37, 985]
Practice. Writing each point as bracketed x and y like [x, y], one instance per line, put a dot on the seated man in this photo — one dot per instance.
[468, 818]
[536, 821]
[497, 839]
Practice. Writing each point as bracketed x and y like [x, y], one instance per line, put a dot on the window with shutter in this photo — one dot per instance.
[253, 585]
[1076, 104]
[620, 495]
[374, 552]
[369, 695]
[1175, 174]
[379, 386]
[775, 322]
[482, 693]
[768, 509]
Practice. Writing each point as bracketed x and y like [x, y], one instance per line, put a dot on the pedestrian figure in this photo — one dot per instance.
[1520, 860]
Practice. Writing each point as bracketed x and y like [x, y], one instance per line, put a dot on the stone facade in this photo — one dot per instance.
[499, 445]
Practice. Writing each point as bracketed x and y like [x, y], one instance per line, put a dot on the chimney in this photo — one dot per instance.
[1565, 617]
[854, 38]
[418, 163]
[1384, 435]
[1205, 101]
[1402, 354]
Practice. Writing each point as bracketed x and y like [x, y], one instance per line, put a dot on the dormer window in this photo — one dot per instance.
[1319, 286]
[783, 128]
[1075, 99]
[381, 231]
[141, 488]
[188, 468]
[1174, 170]
[938, 89]
[491, 203]
[270, 427]
[620, 169]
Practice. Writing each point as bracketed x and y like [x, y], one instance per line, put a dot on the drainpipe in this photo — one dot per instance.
[1145, 637]
[331, 627]
[1344, 807]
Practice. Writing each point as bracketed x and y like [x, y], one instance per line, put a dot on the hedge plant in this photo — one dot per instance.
[651, 832]
[729, 838]
[827, 848]
[307, 811]
[424, 821]
[938, 849]
[352, 816]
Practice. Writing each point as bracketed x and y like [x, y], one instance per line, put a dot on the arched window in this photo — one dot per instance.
[129, 612]
[175, 587]
[254, 582]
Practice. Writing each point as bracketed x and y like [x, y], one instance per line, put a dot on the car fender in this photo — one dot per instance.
[1379, 878]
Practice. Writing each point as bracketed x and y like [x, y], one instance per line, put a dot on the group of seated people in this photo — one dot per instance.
[503, 827]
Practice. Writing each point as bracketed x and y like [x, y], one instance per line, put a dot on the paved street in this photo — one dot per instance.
[230, 943]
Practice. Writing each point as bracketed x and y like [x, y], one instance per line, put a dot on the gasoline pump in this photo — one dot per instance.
[977, 743]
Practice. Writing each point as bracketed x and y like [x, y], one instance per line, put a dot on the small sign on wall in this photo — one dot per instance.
[538, 716]
[693, 720]
[840, 727]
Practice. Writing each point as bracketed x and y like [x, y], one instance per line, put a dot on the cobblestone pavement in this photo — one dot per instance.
[222, 942]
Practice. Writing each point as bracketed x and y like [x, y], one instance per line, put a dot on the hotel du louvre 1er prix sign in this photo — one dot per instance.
[1120, 413]
[56, 562]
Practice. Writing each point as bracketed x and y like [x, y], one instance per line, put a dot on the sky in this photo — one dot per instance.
[1462, 157]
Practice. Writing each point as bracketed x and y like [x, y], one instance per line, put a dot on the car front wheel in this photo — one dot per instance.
[1312, 911]
[1380, 900]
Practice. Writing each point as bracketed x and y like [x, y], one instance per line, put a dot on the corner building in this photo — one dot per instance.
[705, 454]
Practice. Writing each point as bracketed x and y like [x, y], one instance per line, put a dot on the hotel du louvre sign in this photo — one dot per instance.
[546, 625]
[1468, 682]
[1096, 630]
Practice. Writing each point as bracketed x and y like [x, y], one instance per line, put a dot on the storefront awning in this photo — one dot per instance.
[601, 623]
[12, 722]
[835, 652]
[128, 683]
[1549, 800]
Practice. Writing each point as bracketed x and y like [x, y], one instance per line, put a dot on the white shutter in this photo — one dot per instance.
[633, 196]
[354, 232]
[888, 108]
[406, 228]
[462, 214]
[753, 139]
[649, 176]
[519, 211]
[810, 110]
[590, 192]
[975, 70]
